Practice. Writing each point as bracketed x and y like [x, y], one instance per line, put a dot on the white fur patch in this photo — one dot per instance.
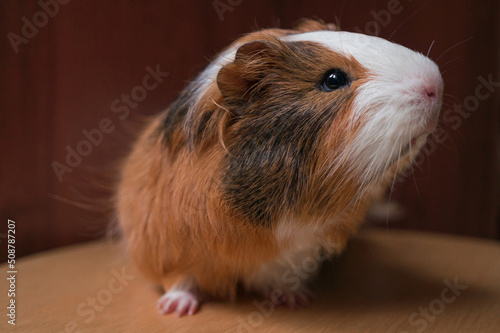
[209, 75]
[305, 251]
[392, 104]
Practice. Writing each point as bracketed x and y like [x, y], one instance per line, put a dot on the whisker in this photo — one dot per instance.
[338, 19]
[430, 48]
[88, 207]
[452, 60]
[402, 23]
[392, 186]
[397, 169]
[413, 176]
[452, 96]
[451, 48]
[445, 71]
[447, 138]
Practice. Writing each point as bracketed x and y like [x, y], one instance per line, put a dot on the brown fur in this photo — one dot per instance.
[178, 201]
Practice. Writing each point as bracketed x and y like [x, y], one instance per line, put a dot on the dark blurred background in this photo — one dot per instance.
[67, 68]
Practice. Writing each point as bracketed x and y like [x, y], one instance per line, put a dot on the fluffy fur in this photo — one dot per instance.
[255, 166]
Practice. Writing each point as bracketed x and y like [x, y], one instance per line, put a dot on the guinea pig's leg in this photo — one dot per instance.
[285, 280]
[183, 298]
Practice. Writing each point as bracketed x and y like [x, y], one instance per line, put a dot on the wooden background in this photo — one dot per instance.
[64, 78]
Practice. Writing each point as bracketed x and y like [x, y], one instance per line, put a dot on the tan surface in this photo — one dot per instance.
[381, 280]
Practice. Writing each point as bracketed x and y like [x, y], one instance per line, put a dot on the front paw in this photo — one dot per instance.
[182, 302]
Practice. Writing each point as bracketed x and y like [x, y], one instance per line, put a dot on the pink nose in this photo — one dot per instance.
[432, 89]
[432, 92]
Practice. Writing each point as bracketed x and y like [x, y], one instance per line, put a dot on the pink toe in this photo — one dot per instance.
[182, 308]
[193, 308]
[169, 306]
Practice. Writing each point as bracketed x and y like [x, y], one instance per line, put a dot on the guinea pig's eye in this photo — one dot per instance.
[333, 80]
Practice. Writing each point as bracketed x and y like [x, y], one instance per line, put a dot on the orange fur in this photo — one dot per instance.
[170, 199]
[175, 225]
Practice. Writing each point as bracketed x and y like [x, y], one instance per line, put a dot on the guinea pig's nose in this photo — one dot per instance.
[431, 92]
[432, 89]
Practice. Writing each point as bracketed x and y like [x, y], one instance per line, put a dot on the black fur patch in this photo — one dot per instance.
[275, 149]
[270, 161]
[273, 146]
[174, 117]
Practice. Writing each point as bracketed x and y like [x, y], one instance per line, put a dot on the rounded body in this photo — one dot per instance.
[270, 159]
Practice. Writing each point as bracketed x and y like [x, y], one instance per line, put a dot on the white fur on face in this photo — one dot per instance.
[393, 104]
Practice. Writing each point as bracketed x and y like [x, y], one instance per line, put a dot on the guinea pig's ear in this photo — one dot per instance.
[308, 25]
[252, 62]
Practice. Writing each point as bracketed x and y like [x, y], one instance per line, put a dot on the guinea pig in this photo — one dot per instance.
[271, 155]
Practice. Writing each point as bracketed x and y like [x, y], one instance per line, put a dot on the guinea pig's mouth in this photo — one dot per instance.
[414, 145]
[418, 141]
[409, 146]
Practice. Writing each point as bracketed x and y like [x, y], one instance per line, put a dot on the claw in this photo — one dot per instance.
[181, 302]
